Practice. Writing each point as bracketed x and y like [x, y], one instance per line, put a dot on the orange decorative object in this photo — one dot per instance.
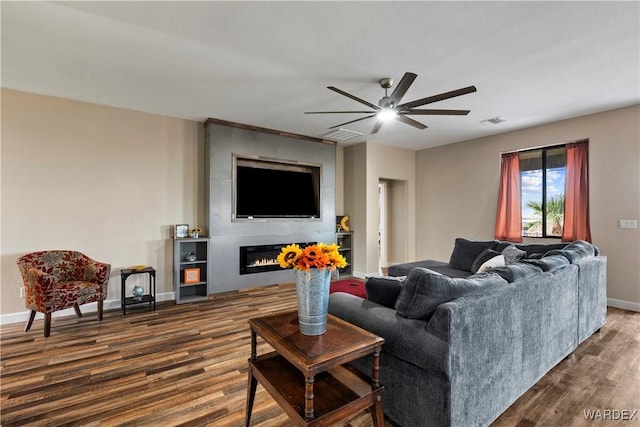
[191, 275]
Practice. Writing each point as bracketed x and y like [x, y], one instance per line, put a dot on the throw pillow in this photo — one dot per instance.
[497, 261]
[484, 256]
[512, 254]
[424, 290]
[384, 290]
[466, 251]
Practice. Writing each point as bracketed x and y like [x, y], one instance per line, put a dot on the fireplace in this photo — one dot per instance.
[262, 258]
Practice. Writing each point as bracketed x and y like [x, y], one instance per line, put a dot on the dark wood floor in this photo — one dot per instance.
[187, 365]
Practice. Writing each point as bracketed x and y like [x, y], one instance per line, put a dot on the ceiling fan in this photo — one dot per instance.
[389, 106]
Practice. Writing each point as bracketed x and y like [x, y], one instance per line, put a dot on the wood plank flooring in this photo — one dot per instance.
[186, 365]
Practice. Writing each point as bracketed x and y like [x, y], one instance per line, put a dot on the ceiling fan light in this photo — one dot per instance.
[387, 114]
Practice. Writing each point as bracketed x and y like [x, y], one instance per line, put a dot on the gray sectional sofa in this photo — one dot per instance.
[460, 347]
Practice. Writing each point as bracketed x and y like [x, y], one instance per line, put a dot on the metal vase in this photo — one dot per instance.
[312, 290]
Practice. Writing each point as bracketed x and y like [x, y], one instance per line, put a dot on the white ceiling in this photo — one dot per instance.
[265, 63]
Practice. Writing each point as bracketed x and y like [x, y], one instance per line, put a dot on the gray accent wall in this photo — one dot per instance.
[221, 143]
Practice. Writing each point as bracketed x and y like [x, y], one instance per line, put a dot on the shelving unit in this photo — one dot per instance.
[344, 239]
[182, 248]
[147, 298]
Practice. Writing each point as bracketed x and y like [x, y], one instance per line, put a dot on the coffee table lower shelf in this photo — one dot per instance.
[338, 393]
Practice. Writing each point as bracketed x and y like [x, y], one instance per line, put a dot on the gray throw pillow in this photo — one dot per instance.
[384, 290]
[484, 256]
[512, 254]
[466, 251]
[424, 290]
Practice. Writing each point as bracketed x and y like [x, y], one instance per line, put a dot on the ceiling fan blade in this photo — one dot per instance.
[376, 127]
[411, 122]
[352, 121]
[402, 87]
[432, 112]
[340, 112]
[355, 98]
[435, 98]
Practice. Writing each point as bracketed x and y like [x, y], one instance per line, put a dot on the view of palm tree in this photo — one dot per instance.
[532, 195]
[555, 216]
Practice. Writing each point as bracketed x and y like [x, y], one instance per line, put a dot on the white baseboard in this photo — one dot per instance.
[23, 316]
[625, 305]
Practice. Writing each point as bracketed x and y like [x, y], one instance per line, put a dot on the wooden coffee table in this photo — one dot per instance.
[307, 375]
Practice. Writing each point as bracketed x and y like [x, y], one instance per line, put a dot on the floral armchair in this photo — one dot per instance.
[60, 279]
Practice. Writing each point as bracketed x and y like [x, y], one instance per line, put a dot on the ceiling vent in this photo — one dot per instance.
[493, 121]
[342, 134]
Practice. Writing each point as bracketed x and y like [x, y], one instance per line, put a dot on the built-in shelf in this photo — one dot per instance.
[190, 275]
[344, 239]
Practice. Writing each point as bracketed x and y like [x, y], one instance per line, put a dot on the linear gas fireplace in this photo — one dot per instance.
[261, 258]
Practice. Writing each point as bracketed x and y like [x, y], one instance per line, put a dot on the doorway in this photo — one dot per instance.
[393, 222]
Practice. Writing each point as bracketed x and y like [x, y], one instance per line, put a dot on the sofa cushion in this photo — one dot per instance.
[575, 251]
[424, 290]
[466, 251]
[512, 254]
[533, 248]
[439, 266]
[548, 263]
[484, 256]
[513, 272]
[384, 290]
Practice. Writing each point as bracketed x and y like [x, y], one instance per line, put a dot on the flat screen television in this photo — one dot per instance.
[276, 189]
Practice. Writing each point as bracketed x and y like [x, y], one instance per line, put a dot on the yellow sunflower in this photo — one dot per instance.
[288, 256]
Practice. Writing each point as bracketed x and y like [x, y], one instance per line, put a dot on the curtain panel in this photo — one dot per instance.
[509, 217]
[576, 201]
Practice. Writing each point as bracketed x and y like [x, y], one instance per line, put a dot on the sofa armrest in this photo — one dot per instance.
[406, 339]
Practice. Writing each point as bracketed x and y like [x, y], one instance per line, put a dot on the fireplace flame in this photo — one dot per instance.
[263, 261]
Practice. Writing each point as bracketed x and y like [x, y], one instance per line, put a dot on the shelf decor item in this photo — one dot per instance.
[191, 275]
[181, 231]
[195, 232]
[137, 292]
[313, 266]
[342, 223]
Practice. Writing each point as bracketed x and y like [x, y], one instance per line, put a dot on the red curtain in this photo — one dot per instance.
[509, 216]
[576, 199]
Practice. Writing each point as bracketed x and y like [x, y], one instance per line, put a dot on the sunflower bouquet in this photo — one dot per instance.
[321, 256]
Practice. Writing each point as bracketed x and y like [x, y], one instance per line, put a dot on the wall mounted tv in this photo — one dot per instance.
[268, 188]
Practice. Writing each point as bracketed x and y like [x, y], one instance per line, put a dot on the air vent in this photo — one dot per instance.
[342, 134]
[493, 121]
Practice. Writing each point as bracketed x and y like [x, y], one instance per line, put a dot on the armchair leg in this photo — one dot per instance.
[76, 307]
[100, 305]
[47, 324]
[32, 316]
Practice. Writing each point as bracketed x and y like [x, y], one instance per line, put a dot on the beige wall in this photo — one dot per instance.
[110, 183]
[457, 190]
[365, 165]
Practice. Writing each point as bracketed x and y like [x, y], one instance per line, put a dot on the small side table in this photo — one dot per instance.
[149, 298]
[308, 376]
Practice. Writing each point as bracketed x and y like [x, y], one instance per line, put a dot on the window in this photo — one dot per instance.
[542, 177]
[544, 193]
